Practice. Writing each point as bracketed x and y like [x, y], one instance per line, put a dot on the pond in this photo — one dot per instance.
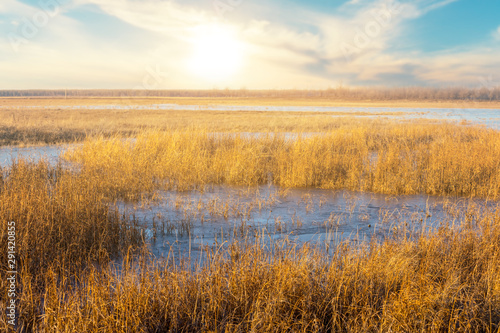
[185, 224]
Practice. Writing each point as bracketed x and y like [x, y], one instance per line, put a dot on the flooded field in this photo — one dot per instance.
[230, 166]
[487, 117]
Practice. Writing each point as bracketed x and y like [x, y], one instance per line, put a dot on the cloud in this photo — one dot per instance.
[60, 53]
[496, 34]
[305, 51]
[155, 15]
[462, 68]
[439, 3]
[13, 7]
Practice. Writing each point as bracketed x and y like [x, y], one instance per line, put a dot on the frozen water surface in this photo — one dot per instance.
[49, 153]
[184, 224]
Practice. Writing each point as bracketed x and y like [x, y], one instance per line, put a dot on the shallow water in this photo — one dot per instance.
[186, 224]
[49, 153]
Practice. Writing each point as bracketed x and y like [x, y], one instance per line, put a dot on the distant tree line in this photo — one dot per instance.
[341, 93]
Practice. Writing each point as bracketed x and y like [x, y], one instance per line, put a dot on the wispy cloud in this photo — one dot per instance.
[430, 5]
[155, 15]
[496, 34]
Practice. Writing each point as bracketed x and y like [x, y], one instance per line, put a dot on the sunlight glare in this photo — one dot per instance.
[217, 54]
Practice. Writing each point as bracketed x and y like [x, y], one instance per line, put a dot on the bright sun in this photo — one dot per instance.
[217, 54]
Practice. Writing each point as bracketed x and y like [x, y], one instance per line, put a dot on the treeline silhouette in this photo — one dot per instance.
[344, 93]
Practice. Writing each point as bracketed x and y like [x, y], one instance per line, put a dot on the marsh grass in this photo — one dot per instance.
[377, 156]
[80, 268]
[21, 125]
[446, 280]
[60, 220]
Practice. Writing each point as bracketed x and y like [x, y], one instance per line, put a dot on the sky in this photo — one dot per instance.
[252, 44]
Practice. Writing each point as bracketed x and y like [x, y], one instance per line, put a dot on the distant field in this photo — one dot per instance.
[274, 101]
[34, 126]
[41, 120]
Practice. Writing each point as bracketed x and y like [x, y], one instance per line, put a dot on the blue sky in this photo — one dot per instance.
[193, 44]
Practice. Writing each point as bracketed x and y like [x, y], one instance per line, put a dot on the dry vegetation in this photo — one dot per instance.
[338, 93]
[61, 218]
[446, 280]
[35, 121]
[376, 156]
[53, 126]
[81, 268]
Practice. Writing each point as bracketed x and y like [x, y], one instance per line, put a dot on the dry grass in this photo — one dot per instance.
[376, 156]
[68, 232]
[33, 121]
[60, 219]
[442, 281]
[40, 126]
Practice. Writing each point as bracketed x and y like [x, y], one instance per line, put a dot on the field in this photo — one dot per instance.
[41, 121]
[41, 127]
[190, 221]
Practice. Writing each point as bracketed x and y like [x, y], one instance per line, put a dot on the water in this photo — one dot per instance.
[186, 224]
[50, 153]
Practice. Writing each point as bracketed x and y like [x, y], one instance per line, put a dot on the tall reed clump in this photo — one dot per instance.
[385, 157]
[445, 281]
[62, 225]
[180, 160]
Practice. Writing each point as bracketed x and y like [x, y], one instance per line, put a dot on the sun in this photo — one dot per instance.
[217, 53]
